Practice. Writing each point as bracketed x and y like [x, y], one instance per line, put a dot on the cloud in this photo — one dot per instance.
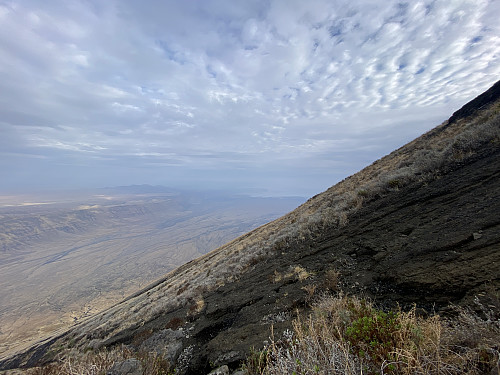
[273, 88]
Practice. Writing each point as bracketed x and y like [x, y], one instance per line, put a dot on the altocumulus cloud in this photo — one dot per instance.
[286, 96]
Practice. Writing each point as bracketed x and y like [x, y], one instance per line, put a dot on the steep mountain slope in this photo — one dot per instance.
[420, 226]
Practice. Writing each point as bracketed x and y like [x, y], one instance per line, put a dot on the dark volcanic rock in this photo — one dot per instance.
[166, 343]
[130, 366]
[478, 103]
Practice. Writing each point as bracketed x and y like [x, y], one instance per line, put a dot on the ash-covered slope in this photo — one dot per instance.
[420, 225]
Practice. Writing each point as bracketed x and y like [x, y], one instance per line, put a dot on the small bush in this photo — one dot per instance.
[310, 290]
[374, 336]
[394, 184]
[256, 362]
[301, 273]
[363, 193]
[331, 280]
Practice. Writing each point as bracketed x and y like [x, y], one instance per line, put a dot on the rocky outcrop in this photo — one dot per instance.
[166, 343]
[223, 370]
[130, 366]
[474, 106]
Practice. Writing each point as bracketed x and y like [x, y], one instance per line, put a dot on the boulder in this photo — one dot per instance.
[130, 366]
[223, 370]
[166, 343]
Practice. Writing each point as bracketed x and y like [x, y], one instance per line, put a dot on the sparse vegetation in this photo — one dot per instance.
[347, 335]
[256, 362]
[298, 273]
[97, 363]
[363, 193]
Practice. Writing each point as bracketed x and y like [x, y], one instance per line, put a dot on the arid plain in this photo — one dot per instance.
[64, 258]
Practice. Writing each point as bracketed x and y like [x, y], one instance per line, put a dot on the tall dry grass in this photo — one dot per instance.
[98, 363]
[346, 335]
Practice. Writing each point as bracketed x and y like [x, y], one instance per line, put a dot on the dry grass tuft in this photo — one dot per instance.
[331, 280]
[301, 273]
[196, 307]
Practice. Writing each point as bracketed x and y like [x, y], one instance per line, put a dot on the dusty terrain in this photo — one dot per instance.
[62, 262]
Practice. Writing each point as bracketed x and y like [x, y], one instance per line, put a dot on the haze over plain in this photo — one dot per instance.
[69, 257]
[270, 97]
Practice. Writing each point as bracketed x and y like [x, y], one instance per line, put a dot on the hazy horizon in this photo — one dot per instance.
[135, 189]
[283, 98]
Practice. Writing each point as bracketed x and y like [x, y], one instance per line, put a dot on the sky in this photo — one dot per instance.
[280, 97]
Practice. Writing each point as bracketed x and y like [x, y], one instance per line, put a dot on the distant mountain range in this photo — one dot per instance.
[419, 226]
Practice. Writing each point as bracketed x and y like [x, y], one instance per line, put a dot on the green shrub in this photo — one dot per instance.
[374, 335]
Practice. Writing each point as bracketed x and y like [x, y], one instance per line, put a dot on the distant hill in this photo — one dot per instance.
[419, 226]
[141, 189]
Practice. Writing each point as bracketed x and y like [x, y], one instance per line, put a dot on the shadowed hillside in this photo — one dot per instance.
[419, 226]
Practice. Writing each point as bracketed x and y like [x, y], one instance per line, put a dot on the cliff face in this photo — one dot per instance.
[420, 226]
